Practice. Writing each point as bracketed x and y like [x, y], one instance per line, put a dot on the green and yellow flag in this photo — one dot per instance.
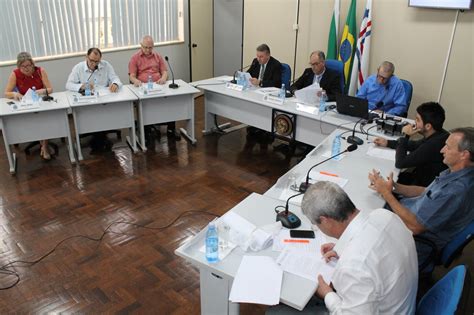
[348, 42]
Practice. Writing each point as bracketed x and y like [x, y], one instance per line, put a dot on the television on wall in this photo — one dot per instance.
[441, 4]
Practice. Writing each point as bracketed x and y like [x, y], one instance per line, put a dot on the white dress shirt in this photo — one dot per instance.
[377, 271]
[103, 76]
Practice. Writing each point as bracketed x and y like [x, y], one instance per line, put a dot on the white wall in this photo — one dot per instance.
[58, 70]
[415, 39]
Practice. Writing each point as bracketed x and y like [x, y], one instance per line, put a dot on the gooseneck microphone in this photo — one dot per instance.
[241, 69]
[172, 84]
[287, 218]
[353, 139]
[46, 97]
[305, 185]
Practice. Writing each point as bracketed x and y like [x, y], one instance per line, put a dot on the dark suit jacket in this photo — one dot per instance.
[330, 82]
[272, 74]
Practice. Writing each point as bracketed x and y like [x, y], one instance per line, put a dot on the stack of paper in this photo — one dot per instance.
[380, 152]
[258, 280]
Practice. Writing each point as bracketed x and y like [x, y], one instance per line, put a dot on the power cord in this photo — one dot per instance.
[8, 269]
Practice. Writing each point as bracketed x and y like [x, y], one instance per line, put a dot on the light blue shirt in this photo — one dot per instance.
[444, 209]
[103, 76]
[391, 94]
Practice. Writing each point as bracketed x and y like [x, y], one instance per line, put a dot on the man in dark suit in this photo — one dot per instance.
[328, 80]
[265, 70]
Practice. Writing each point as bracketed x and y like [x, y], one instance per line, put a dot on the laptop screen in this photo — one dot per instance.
[352, 106]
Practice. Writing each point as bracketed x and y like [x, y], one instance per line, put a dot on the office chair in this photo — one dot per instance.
[408, 94]
[449, 252]
[337, 66]
[286, 75]
[449, 295]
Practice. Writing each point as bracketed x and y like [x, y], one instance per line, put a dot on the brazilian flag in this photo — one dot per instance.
[348, 42]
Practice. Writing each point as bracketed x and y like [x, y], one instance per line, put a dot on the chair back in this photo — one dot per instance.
[408, 93]
[447, 295]
[454, 248]
[338, 66]
[285, 75]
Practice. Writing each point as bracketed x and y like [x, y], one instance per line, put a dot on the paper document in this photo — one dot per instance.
[268, 90]
[381, 152]
[306, 265]
[258, 280]
[308, 95]
[317, 176]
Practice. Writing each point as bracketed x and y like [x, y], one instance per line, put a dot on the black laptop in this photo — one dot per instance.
[352, 106]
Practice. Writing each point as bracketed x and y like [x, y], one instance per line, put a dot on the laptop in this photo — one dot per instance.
[352, 106]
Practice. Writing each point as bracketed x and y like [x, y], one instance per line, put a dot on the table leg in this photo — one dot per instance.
[78, 140]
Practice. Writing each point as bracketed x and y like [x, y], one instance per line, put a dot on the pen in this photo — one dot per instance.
[296, 241]
[328, 174]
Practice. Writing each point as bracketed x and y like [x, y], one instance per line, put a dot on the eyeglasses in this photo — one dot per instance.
[381, 77]
[93, 61]
[317, 63]
[147, 47]
[26, 66]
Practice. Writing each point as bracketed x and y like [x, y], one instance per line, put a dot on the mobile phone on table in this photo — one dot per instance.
[302, 233]
[11, 103]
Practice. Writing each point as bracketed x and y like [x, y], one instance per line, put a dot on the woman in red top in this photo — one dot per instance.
[25, 77]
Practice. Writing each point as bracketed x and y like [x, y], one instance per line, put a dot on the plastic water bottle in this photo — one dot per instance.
[150, 83]
[96, 91]
[87, 89]
[336, 147]
[212, 244]
[34, 95]
[282, 93]
[322, 102]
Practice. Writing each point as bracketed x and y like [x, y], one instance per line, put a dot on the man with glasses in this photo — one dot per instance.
[327, 79]
[145, 63]
[94, 71]
[384, 91]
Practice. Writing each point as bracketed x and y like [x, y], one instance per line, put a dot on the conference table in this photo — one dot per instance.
[165, 105]
[250, 107]
[48, 120]
[108, 111]
[216, 279]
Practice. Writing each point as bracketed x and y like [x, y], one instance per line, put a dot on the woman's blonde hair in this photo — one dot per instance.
[22, 57]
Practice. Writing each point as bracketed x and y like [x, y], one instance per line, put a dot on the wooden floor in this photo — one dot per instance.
[132, 270]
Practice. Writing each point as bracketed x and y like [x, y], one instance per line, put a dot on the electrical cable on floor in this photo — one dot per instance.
[7, 269]
[217, 125]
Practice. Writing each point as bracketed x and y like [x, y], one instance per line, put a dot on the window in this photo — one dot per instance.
[59, 27]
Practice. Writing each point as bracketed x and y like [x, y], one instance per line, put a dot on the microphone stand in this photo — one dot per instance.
[305, 185]
[354, 139]
[172, 84]
[287, 218]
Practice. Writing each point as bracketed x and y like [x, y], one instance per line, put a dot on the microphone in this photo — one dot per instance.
[304, 186]
[46, 97]
[81, 90]
[241, 69]
[172, 84]
[287, 218]
[354, 139]
[380, 105]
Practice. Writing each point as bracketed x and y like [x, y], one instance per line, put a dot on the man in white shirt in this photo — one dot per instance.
[376, 270]
[94, 71]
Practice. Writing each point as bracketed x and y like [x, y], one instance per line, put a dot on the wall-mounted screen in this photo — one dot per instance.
[441, 4]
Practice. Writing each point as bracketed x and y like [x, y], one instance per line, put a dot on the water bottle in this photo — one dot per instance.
[240, 81]
[336, 147]
[322, 101]
[150, 83]
[282, 93]
[96, 92]
[87, 89]
[212, 244]
[34, 95]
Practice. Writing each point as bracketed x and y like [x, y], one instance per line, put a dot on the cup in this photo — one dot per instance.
[223, 232]
[292, 182]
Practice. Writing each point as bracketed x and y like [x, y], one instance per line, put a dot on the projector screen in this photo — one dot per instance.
[441, 4]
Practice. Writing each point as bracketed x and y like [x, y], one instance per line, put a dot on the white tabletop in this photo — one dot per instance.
[183, 89]
[123, 95]
[60, 102]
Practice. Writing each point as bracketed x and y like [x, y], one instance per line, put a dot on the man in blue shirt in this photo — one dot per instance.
[441, 210]
[384, 91]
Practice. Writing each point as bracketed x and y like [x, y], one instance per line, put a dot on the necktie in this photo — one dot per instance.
[262, 71]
